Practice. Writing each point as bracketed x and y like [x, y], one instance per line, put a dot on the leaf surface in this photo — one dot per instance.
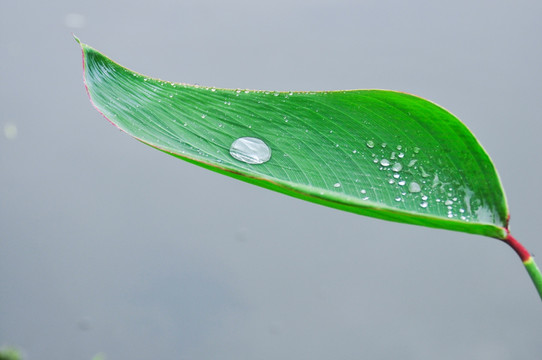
[379, 153]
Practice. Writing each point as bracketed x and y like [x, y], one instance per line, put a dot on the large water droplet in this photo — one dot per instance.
[250, 150]
[384, 162]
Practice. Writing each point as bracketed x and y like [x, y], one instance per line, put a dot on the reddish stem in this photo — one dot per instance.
[518, 248]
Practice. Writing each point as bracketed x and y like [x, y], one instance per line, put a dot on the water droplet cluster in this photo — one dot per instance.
[421, 182]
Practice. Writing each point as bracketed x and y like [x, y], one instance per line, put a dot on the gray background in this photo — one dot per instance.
[107, 245]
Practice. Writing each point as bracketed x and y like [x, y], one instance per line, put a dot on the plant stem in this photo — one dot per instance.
[528, 262]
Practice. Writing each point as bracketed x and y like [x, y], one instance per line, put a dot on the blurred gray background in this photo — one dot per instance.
[108, 246]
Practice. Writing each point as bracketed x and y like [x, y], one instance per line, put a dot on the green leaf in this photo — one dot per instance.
[384, 154]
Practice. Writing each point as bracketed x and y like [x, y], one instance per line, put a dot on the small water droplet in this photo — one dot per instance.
[363, 191]
[396, 175]
[398, 198]
[337, 185]
[412, 162]
[448, 202]
[391, 181]
[401, 155]
[370, 144]
[385, 162]
[414, 187]
[384, 145]
[424, 204]
[397, 167]
[399, 147]
[424, 174]
[250, 150]
[402, 182]
[424, 197]
[203, 116]
[416, 150]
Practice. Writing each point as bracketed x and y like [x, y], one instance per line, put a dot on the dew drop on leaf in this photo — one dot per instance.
[414, 187]
[250, 150]
[370, 144]
[397, 167]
